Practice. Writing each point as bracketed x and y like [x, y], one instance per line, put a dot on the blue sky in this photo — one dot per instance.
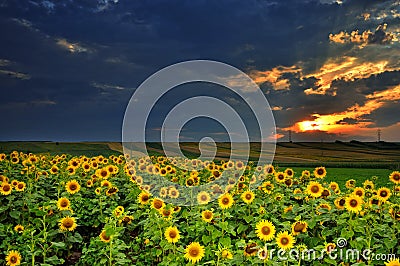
[329, 69]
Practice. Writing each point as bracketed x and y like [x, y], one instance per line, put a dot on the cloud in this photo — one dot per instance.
[14, 74]
[380, 36]
[275, 76]
[73, 47]
[108, 86]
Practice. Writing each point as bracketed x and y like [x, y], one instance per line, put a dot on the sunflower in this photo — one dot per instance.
[314, 189]
[72, 187]
[368, 184]
[297, 193]
[299, 227]
[280, 177]
[340, 203]
[118, 211]
[172, 234]
[13, 258]
[67, 223]
[263, 254]
[395, 177]
[265, 230]
[305, 174]
[63, 204]
[359, 191]
[5, 188]
[104, 237]
[269, 169]
[194, 252]
[157, 204]
[353, 203]
[106, 183]
[14, 183]
[393, 262]
[102, 173]
[240, 165]
[19, 228]
[97, 191]
[111, 191]
[143, 197]
[207, 216]
[320, 172]
[225, 253]
[289, 172]
[54, 169]
[329, 247]
[173, 193]
[325, 193]
[383, 194]
[248, 196]
[225, 201]
[325, 206]
[285, 241]
[334, 186]
[203, 197]
[250, 249]
[267, 187]
[350, 183]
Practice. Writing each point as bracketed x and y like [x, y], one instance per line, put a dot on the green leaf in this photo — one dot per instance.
[58, 244]
[206, 239]
[225, 241]
[14, 214]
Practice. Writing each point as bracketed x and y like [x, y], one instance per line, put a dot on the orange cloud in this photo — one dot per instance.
[380, 36]
[274, 76]
[332, 122]
[345, 68]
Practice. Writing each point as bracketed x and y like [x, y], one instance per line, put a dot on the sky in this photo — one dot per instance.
[330, 70]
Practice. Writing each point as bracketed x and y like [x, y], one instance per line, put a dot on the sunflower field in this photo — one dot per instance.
[76, 210]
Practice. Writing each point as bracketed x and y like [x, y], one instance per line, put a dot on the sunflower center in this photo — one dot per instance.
[299, 227]
[203, 197]
[157, 204]
[320, 171]
[6, 188]
[396, 177]
[289, 172]
[265, 230]
[172, 234]
[359, 193]
[208, 215]
[194, 252]
[342, 202]
[284, 241]
[72, 187]
[383, 193]
[68, 223]
[225, 200]
[281, 176]
[145, 198]
[13, 259]
[250, 248]
[248, 196]
[325, 193]
[314, 189]
[64, 203]
[353, 203]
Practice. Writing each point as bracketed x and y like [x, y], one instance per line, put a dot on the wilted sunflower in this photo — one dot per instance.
[285, 241]
[250, 249]
[248, 196]
[157, 204]
[194, 252]
[314, 189]
[225, 201]
[207, 216]
[320, 172]
[5, 188]
[63, 204]
[111, 191]
[203, 197]
[104, 237]
[143, 197]
[393, 262]
[265, 230]
[299, 227]
[72, 186]
[19, 228]
[13, 258]
[383, 194]
[172, 234]
[395, 177]
[325, 206]
[354, 203]
[67, 223]
[359, 191]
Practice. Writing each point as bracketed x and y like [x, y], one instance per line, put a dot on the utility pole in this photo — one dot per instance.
[379, 135]
[290, 136]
